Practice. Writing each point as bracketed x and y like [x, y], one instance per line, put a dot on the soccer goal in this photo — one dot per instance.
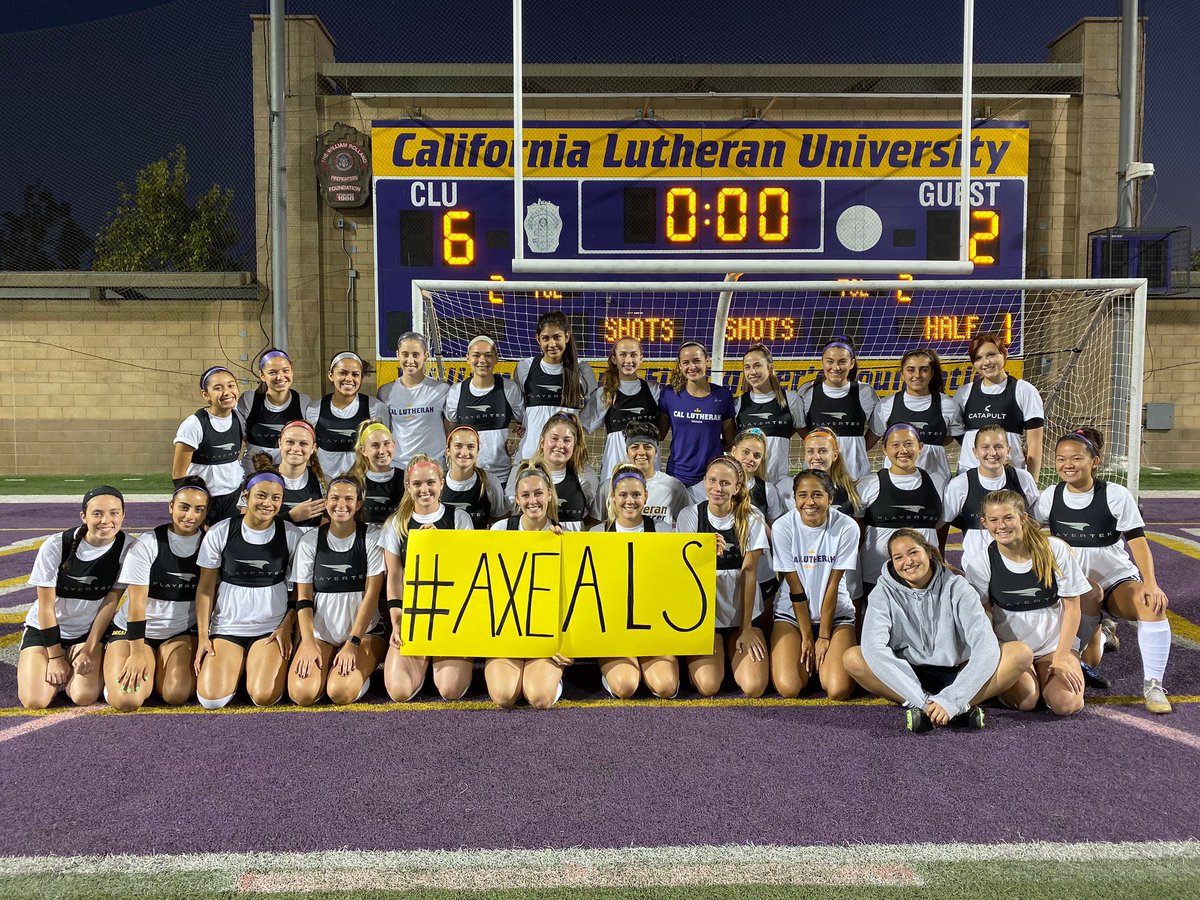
[1079, 342]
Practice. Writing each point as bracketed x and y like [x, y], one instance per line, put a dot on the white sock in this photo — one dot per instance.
[106, 693]
[604, 684]
[362, 693]
[261, 705]
[558, 692]
[1154, 640]
[214, 704]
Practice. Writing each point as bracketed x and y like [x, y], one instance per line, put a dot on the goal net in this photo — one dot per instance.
[1079, 342]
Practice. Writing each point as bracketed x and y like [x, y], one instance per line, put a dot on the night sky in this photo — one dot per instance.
[96, 89]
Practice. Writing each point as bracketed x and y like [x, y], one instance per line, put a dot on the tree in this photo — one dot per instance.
[43, 236]
[156, 229]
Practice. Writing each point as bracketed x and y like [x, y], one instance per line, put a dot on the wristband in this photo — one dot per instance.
[135, 630]
[799, 598]
[305, 604]
[53, 635]
[355, 640]
[291, 606]
[394, 604]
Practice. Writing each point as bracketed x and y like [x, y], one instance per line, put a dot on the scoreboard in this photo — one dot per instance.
[787, 190]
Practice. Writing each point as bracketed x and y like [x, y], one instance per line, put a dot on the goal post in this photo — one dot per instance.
[1080, 342]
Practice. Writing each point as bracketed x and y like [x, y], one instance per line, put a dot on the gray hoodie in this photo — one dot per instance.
[942, 624]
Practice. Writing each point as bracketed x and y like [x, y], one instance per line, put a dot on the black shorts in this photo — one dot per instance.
[1108, 593]
[935, 679]
[223, 506]
[37, 637]
[243, 641]
[116, 634]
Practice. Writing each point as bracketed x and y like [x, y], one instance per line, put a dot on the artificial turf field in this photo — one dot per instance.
[595, 798]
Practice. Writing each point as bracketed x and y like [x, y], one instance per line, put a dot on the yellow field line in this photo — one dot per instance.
[13, 582]
[11, 550]
[1184, 628]
[11, 619]
[476, 705]
[9, 639]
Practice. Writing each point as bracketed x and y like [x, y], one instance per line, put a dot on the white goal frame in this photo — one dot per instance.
[726, 290]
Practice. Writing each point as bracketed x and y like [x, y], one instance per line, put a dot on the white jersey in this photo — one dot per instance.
[853, 449]
[493, 443]
[814, 554]
[1104, 565]
[164, 618]
[536, 417]
[1039, 629]
[614, 442]
[333, 463]
[728, 602]
[933, 457]
[875, 538]
[955, 495]
[779, 449]
[223, 478]
[75, 617]
[245, 404]
[245, 611]
[1030, 403]
[417, 419]
[333, 613]
[665, 497]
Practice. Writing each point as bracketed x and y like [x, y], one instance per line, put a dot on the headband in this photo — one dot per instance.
[346, 355]
[734, 464]
[203, 488]
[463, 428]
[101, 490]
[757, 432]
[208, 374]
[299, 423]
[687, 344]
[621, 476]
[270, 354]
[631, 439]
[345, 479]
[841, 344]
[535, 469]
[370, 430]
[484, 338]
[821, 429]
[898, 425]
[1078, 435]
[264, 476]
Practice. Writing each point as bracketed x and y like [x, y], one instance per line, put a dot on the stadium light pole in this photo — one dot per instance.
[968, 70]
[1128, 121]
[278, 182]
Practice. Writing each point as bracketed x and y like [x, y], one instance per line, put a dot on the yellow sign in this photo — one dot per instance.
[663, 150]
[533, 594]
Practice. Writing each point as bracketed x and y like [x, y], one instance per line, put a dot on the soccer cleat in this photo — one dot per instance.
[917, 720]
[1093, 678]
[973, 718]
[1156, 697]
[1108, 628]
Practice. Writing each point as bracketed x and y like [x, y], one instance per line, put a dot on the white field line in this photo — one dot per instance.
[25, 544]
[873, 855]
[1155, 726]
[44, 722]
[74, 498]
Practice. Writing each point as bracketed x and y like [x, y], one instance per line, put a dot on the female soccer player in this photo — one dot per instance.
[265, 410]
[420, 508]
[1093, 516]
[468, 486]
[416, 403]
[244, 614]
[750, 449]
[665, 495]
[382, 483]
[303, 480]
[741, 540]
[697, 413]
[767, 406]
[563, 454]
[1031, 584]
[927, 643]
[623, 399]
[338, 573]
[963, 498]
[923, 403]
[209, 444]
[553, 382]
[538, 680]
[837, 400]
[996, 398]
[489, 404]
[902, 496]
[626, 505]
[154, 638]
[77, 576]
[822, 451]
[815, 548]
[338, 414]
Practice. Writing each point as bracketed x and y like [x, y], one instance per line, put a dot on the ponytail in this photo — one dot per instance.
[76, 539]
[772, 379]
[620, 473]
[400, 518]
[742, 510]
[572, 387]
[530, 468]
[1034, 541]
[358, 468]
[677, 380]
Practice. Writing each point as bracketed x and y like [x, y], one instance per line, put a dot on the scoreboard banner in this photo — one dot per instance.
[843, 191]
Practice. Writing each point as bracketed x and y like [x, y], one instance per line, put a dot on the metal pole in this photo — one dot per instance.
[968, 70]
[518, 100]
[1128, 122]
[278, 179]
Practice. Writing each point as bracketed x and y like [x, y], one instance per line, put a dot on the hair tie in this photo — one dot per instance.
[754, 430]
[271, 354]
[348, 354]
[101, 490]
[260, 477]
[208, 374]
